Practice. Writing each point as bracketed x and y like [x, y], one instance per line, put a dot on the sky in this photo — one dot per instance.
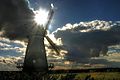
[88, 39]
[75, 11]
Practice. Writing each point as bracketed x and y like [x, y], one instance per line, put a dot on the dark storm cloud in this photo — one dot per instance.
[88, 39]
[15, 18]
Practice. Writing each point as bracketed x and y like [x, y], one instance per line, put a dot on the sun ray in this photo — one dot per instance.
[41, 17]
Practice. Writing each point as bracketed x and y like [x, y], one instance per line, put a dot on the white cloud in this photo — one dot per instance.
[9, 64]
[11, 48]
[86, 38]
[10, 53]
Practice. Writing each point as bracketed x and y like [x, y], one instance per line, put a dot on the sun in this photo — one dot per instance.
[41, 17]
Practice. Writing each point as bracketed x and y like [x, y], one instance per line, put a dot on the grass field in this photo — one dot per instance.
[85, 76]
[60, 76]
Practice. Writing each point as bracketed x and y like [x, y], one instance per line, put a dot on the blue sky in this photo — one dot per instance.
[75, 11]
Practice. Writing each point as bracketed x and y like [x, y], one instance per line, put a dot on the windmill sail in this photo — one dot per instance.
[53, 45]
[50, 15]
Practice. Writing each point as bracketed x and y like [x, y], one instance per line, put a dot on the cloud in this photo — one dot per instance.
[9, 64]
[88, 39]
[78, 42]
[112, 60]
[16, 18]
[10, 53]
[13, 52]
[11, 48]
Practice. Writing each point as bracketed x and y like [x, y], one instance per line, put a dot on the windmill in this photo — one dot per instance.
[35, 58]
